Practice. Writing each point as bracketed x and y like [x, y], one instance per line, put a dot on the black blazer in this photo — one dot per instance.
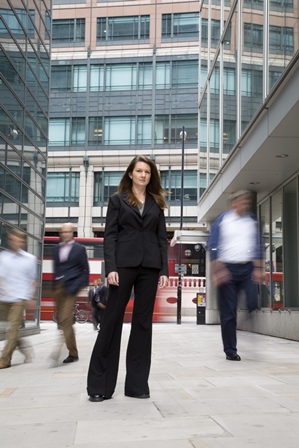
[75, 270]
[131, 239]
[91, 294]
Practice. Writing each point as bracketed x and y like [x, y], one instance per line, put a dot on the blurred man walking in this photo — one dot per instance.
[71, 274]
[17, 291]
[237, 263]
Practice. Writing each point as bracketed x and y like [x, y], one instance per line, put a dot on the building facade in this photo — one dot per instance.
[124, 81]
[248, 109]
[24, 111]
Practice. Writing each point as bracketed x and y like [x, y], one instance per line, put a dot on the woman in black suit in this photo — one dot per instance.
[135, 252]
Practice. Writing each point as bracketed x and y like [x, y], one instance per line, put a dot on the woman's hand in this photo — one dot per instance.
[113, 278]
[163, 281]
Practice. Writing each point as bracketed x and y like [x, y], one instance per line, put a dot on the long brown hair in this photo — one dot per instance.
[154, 187]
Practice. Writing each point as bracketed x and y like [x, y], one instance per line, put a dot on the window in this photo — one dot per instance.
[171, 183]
[254, 4]
[61, 78]
[184, 74]
[180, 25]
[122, 130]
[144, 130]
[96, 77]
[281, 4]
[214, 80]
[203, 182]
[105, 185]
[229, 135]
[252, 82]
[119, 131]
[145, 75]
[78, 131]
[163, 75]
[12, 184]
[168, 128]
[121, 76]
[214, 135]
[63, 187]
[59, 132]
[253, 37]
[80, 78]
[68, 31]
[229, 81]
[8, 71]
[129, 28]
[246, 82]
[95, 131]
[215, 32]
[274, 75]
[274, 4]
[176, 74]
[281, 39]
[60, 129]
[13, 20]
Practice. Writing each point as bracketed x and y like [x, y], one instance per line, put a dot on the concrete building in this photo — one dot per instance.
[249, 108]
[124, 82]
[24, 109]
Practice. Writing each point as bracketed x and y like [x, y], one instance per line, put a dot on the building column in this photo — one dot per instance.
[85, 202]
[212, 309]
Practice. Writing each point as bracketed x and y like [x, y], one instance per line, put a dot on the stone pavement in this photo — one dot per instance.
[198, 399]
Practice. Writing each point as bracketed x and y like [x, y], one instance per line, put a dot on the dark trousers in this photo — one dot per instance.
[97, 315]
[103, 368]
[241, 279]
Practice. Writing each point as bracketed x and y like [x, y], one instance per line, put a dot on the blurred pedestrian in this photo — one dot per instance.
[92, 291]
[71, 274]
[17, 292]
[237, 263]
[135, 252]
[99, 303]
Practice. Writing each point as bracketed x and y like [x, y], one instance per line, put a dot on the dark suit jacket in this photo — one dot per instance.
[91, 294]
[100, 296]
[131, 239]
[75, 270]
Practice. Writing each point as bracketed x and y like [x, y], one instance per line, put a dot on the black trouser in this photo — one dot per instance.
[103, 368]
[241, 279]
[97, 315]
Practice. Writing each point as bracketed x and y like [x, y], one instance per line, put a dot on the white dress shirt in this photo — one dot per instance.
[238, 237]
[17, 276]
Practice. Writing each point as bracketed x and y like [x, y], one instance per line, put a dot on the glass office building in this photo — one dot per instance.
[123, 82]
[248, 129]
[24, 109]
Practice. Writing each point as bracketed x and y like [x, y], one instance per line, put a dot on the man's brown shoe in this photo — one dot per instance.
[4, 365]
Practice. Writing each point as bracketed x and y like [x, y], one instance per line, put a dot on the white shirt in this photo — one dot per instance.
[238, 236]
[17, 275]
[64, 250]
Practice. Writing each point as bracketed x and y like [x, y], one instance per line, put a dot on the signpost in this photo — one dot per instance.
[183, 136]
[180, 269]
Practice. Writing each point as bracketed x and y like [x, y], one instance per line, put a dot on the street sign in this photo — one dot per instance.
[180, 268]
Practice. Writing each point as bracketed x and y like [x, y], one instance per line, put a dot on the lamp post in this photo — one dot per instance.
[183, 136]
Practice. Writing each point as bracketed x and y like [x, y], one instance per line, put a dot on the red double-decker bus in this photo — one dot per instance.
[94, 249]
[165, 309]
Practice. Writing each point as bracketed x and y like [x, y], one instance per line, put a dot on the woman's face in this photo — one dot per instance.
[141, 175]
